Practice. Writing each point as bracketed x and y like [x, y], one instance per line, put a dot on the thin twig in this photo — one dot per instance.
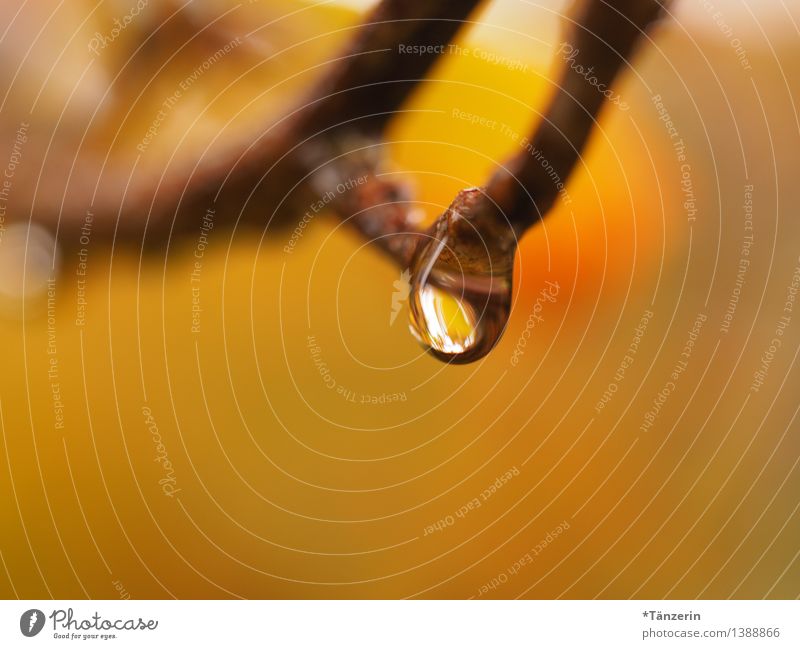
[603, 37]
[599, 45]
[391, 53]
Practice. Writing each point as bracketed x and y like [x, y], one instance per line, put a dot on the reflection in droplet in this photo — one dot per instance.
[462, 278]
[447, 324]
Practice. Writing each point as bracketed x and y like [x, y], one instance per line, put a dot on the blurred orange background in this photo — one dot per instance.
[156, 461]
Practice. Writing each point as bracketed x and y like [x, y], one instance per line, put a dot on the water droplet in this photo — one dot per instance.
[461, 280]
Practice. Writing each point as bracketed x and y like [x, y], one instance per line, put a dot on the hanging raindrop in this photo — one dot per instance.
[461, 280]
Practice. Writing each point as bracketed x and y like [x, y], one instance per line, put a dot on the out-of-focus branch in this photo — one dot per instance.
[258, 183]
[391, 54]
[287, 170]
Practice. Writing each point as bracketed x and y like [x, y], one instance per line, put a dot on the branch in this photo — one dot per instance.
[603, 37]
[285, 172]
[260, 184]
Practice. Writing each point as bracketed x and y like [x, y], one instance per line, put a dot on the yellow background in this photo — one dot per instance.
[287, 489]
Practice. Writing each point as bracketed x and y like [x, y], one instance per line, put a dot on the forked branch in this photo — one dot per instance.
[366, 86]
